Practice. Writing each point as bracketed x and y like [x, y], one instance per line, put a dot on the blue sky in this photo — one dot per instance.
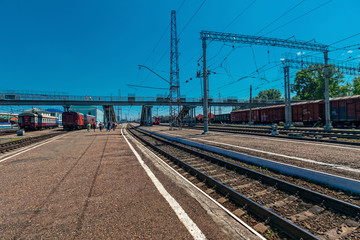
[94, 48]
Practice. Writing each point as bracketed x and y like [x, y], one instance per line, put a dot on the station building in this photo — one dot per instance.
[91, 110]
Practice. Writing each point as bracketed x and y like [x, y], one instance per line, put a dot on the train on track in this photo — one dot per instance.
[75, 120]
[345, 112]
[157, 121]
[37, 121]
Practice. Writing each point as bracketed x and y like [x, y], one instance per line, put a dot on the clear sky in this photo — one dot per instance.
[94, 47]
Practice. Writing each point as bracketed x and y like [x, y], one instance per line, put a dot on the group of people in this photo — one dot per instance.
[108, 126]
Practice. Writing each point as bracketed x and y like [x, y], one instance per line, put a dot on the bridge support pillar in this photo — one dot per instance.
[66, 108]
[192, 116]
[146, 116]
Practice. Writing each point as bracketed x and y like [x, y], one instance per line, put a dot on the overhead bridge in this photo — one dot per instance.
[16, 98]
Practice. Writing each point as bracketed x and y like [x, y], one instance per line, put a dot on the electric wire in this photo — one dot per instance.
[192, 17]
[288, 11]
[302, 15]
[241, 13]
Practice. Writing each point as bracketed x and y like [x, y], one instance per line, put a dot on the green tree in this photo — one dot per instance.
[309, 84]
[346, 90]
[356, 86]
[270, 94]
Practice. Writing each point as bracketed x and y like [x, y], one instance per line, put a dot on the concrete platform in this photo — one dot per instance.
[92, 185]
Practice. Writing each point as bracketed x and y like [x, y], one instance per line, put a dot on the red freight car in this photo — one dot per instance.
[345, 111]
[273, 114]
[73, 120]
[309, 113]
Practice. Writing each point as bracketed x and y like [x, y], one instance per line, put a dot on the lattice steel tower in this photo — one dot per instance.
[174, 72]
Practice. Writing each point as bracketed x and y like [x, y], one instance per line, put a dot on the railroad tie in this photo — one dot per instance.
[306, 214]
[281, 203]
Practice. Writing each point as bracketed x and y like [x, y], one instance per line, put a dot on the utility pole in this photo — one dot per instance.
[119, 108]
[206, 89]
[250, 105]
[327, 95]
[219, 106]
[288, 117]
[174, 72]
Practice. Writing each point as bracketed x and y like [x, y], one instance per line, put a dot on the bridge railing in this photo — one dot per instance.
[29, 95]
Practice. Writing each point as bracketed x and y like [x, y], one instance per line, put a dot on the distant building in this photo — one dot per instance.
[56, 113]
[99, 114]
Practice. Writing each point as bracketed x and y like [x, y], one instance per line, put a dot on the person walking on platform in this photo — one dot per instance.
[88, 127]
[100, 126]
[113, 126]
[94, 126]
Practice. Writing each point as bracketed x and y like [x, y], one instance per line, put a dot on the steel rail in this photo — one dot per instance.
[7, 146]
[257, 209]
[266, 133]
[293, 129]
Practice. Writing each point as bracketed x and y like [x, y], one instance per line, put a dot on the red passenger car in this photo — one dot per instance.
[73, 120]
[88, 119]
[33, 121]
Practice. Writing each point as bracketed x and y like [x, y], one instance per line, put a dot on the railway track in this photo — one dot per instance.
[281, 209]
[11, 145]
[4, 132]
[307, 134]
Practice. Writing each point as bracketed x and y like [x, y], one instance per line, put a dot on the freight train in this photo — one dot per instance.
[75, 120]
[344, 111]
[37, 121]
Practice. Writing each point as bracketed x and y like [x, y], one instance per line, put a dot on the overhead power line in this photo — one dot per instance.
[282, 15]
[302, 15]
[139, 86]
[345, 39]
[241, 13]
[187, 24]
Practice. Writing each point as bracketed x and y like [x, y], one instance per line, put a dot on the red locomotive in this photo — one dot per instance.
[75, 120]
[200, 117]
[156, 121]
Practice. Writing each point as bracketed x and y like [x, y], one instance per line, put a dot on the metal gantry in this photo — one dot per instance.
[301, 62]
[174, 73]
[265, 41]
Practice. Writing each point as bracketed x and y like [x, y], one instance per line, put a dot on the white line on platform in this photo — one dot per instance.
[182, 215]
[333, 145]
[29, 148]
[205, 194]
[279, 155]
